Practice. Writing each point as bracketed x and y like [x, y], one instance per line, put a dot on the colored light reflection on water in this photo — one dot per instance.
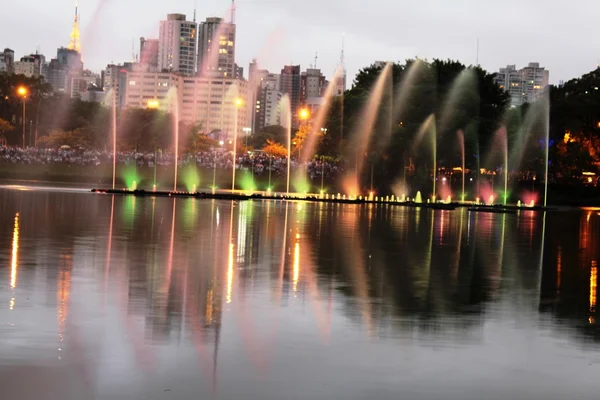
[230, 298]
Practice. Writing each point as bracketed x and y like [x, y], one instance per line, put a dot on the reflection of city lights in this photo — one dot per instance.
[593, 285]
[230, 273]
[12, 303]
[209, 307]
[296, 266]
[14, 262]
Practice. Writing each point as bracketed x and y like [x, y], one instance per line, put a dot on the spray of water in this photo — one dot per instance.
[359, 143]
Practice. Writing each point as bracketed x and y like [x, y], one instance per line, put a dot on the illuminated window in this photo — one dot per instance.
[131, 83]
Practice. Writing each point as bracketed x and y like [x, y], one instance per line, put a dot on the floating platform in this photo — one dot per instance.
[471, 207]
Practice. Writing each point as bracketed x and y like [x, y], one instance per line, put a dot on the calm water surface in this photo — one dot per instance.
[107, 297]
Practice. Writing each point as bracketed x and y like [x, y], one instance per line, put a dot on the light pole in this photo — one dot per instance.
[22, 91]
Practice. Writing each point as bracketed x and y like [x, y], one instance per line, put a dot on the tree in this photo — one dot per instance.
[459, 97]
[197, 140]
[274, 133]
[275, 149]
[77, 138]
[5, 126]
[300, 138]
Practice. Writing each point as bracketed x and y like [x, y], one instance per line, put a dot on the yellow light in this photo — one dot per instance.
[239, 102]
[14, 262]
[586, 173]
[304, 113]
[593, 285]
[22, 91]
[153, 104]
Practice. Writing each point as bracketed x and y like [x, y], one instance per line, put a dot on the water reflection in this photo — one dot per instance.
[14, 260]
[224, 293]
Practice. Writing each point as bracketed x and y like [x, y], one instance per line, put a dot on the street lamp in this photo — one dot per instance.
[153, 104]
[22, 91]
[324, 130]
[304, 114]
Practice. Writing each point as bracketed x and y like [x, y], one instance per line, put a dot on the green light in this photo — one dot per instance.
[130, 176]
[190, 177]
[189, 213]
[301, 184]
[246, 182]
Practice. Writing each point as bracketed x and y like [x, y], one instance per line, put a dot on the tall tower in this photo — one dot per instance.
[216, 48]
[74, 43]
[177, 45]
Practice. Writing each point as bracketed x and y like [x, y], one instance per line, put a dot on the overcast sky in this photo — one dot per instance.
[561, 35]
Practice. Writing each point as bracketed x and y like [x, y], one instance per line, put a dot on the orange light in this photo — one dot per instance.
[153, 104]
[304, 113]
[22, 91]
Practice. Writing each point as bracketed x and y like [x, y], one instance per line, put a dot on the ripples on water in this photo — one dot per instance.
[137, 298]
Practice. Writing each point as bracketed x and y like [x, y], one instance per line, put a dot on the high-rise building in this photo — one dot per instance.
[211, 101]
[149, 53]
[535, 81]
[177, 45]
[313, 84]
[8, 58]
[291, 84]
[26, 66]
[63, 68]
[525, 85]
[33, 65]
[216, 48]
[268, 108]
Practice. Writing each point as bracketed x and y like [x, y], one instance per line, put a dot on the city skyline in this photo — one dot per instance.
[294, 33]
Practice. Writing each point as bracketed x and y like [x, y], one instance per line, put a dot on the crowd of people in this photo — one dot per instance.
[257, 162]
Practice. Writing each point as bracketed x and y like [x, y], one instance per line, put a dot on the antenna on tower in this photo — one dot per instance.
[477, 60]
[74, 43]
[233, 11]
[133, 50]
[195, 4]
[316, 58]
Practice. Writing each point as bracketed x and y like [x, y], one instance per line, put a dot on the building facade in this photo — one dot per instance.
[33, 65]
[63, 69]
[216, 48]
[177, 45]
[525, 85]
[268, 108]
[312, 84]
[213, 102]
[291, 84]
[149, 52]
[7, 57]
